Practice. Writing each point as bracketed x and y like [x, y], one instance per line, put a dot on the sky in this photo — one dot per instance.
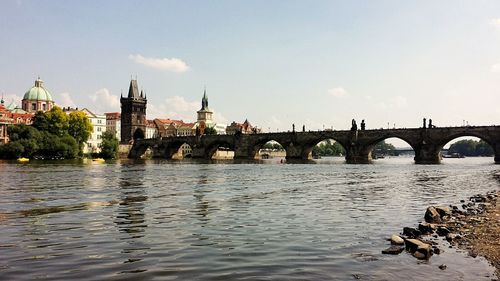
[275, 63]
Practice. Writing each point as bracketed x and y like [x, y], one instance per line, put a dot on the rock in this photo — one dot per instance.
[443, 211]
[393, 250]
[419, 255]
[442, 231]
[425, 228]
[411, 232]
[432, 215]
[443, 266]
[396, 240]
[452, 236]
[436, 250]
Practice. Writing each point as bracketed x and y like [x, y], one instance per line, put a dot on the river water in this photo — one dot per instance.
[186, 220]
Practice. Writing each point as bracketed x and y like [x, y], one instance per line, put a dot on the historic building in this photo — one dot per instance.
[133, 115]
[244, 128]
[113, 123]
[151, 130]
[204, 119]
[5, 120]
[37, 98]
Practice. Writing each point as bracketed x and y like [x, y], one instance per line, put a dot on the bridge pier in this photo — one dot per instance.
[428, 154]
[358, 154]
[496, 149]
[297, 152]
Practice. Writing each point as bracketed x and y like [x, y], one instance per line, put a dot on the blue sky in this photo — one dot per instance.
[318, 63]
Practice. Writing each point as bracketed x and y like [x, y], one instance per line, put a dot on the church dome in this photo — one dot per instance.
[38, 92]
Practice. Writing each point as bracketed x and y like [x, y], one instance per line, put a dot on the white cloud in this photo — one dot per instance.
[219, 118]
[495, 68]
[8, 99]
[65, 100]
[172, 64]
[338, 92]
[495, 22]
[104, 102]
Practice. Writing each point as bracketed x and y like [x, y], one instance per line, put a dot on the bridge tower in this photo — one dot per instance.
[133, 115]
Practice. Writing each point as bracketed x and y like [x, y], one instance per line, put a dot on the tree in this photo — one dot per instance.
[109, 145]
[57, 121]
[328, 148]
[383, 148]
[210, 131]
[40, 121]
[79, 128]
[471, 148]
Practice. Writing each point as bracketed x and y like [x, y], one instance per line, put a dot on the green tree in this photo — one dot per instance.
[79, 128]
[40, 121]
[471, 148]
[210, 131]
[109, 145]
[383, 148]
[328, 148]
[57, 121]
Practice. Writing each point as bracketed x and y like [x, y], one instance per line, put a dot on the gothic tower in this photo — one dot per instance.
[133, 117]
[204, 114]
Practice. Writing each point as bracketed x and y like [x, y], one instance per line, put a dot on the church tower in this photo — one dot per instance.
[204, 114]
[133, 116]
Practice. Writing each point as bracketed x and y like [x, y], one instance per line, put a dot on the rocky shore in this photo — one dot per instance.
[473, 226]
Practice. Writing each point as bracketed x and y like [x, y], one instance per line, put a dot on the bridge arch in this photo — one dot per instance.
[178, 149]
[488, 150]
[374, 154]
[257, 146]
[315, 148]
[222, 145]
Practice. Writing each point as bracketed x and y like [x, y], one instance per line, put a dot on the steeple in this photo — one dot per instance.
[204, 101]
[133, 91]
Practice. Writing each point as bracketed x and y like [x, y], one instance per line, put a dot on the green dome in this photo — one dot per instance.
[38, 92]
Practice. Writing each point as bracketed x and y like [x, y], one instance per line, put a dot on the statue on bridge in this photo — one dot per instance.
[354, 126]
[430, 124]
[425, 123]
[293, 128]
[303, 128]
[363, 125]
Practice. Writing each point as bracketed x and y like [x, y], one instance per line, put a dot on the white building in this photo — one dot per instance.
[99, 123]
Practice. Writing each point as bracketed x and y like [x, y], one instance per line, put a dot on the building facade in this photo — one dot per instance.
[113, 123]
[133, 114]
[37, 98]
[98, 122]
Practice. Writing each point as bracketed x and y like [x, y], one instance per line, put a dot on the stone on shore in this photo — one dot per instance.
[419, 249]
[432, 215]
[411, 232]
[393, 250]
[396, 240]
[426, 228]
[443, 211]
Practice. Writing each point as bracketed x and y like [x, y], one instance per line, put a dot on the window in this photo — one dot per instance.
[33, 106]
[44, 107]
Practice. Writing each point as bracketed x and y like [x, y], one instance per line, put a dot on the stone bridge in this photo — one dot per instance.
[426, 142]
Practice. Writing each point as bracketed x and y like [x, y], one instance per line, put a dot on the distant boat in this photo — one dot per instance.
[453, 155]
[98, 160]
[23, 160]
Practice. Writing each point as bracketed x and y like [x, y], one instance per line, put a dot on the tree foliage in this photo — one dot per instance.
[210, 131]
[471, 148]
[383, 148]
[50, 137]
[328, 148]
[80, 127]
[272, 145]
[109, 145]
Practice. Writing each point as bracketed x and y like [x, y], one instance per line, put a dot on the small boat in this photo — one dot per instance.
[23, 160]
[98, 160]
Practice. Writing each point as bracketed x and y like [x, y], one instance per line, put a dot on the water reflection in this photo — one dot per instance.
[130, 216]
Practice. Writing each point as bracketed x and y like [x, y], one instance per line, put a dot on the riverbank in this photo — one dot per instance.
[481, 232]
